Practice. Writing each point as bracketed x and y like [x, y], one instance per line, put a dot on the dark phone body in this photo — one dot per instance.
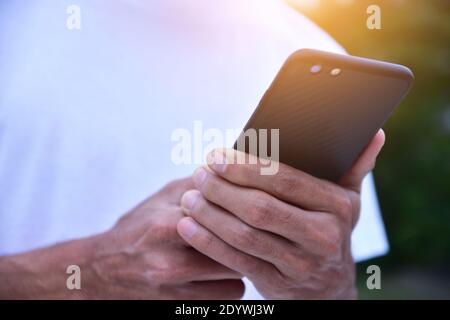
[326, 121]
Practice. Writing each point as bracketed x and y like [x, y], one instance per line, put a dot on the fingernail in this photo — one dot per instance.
[188, 200]
[199, 177]
[217, 161]
[187, 227]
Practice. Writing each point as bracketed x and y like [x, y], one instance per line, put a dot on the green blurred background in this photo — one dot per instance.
[413, 171]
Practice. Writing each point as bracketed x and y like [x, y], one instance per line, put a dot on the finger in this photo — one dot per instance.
[264, 245]
[364, 164]
[263, 211]
[163, 229]
[195, 266]
[210, 245]
[212, 290]
[288, 184]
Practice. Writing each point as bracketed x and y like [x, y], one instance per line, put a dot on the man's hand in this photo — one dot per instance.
[142, 257]
[288, 233]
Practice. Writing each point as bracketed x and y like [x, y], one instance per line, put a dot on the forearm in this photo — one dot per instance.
[41, 273]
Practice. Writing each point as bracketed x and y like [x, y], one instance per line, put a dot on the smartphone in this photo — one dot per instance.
[327, 108]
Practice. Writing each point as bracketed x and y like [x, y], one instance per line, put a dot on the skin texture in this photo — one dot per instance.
[288, 233]
[141, 257]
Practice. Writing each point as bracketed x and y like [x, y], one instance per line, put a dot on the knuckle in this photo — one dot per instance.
[209, 187]
[269, 249]
[333, 250]
[172, 185]
[162, 230]
[246, 237]
[333, 242]
[291, 259]
[254, 242]
[285, 183]
[344, 206]
[325, 238]
[260, 210]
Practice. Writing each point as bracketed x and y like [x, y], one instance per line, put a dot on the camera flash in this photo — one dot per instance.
[316, 69]
[335, 72]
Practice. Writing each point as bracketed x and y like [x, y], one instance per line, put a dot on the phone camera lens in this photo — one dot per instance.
[335, 72]
[316, 69]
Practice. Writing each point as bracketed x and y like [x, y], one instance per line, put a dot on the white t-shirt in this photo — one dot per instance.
[86, 116]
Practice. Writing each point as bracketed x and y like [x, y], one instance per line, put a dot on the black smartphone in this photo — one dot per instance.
[327, 107]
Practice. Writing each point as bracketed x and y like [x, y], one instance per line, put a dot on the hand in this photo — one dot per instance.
[288, 233]
[144, 257]
[141, 257]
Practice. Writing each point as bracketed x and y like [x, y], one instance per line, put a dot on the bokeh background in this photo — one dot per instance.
[413, 172]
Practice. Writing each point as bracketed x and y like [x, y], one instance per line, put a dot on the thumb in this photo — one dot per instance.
[364, 164]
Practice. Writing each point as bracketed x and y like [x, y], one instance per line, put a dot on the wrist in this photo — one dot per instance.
[41, 273]
[90, 253]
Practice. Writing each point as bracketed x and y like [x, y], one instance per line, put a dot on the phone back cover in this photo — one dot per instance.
[326, 121]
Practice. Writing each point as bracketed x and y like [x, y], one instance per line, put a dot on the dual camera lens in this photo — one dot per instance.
[315, 69]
